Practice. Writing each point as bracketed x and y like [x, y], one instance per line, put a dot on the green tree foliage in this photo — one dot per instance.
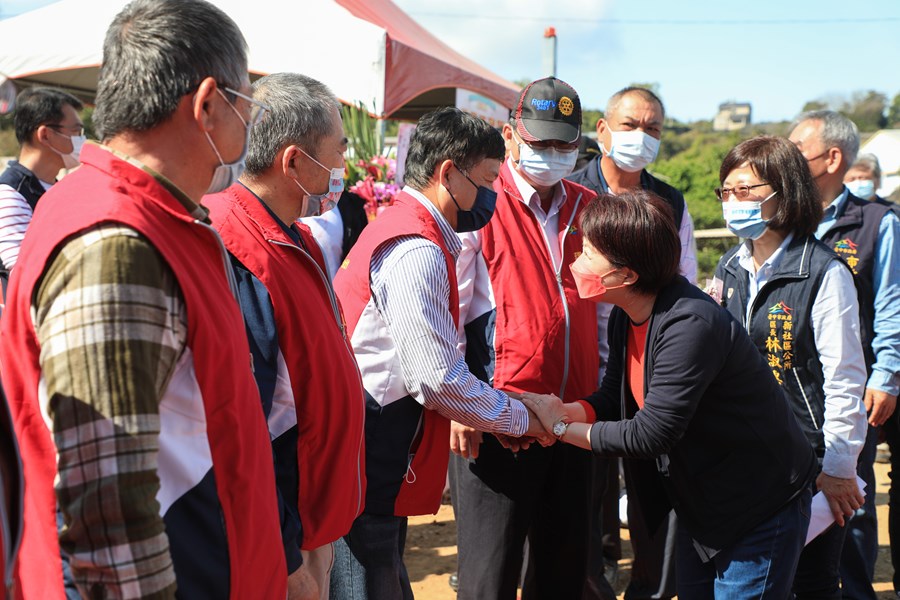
[814, 105]
[893, 116]
[589, 118]
[867, 110]
[695, 171]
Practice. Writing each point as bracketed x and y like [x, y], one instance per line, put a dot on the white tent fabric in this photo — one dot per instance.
[61, 44]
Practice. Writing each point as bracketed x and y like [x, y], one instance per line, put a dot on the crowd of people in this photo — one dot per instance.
[196, 406]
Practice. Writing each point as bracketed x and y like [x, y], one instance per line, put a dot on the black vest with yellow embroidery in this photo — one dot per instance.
[854, 237]
[781, 325]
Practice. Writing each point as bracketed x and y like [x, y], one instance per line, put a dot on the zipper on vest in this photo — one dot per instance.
[805, 399]
[342, 326]
[562, 291]
[229, 275]
[410, 455]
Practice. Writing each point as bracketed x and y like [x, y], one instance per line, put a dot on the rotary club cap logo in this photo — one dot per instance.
[566, 106]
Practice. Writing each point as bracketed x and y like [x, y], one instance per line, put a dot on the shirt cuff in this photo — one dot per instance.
[839, 465]
[884, 381]
[589, 414]
[518, 421]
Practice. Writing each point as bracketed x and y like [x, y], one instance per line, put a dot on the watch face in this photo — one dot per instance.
[559, 428]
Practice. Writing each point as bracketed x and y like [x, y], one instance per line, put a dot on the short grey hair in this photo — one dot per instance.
[300, 110]
[869, 162]
[155, 52]
[837, 132]
[648, 95]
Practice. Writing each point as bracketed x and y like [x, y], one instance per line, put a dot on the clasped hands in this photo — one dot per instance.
[543, 412]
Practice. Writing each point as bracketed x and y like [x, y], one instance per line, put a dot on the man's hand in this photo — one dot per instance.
[464, 440]
[843, 495]
[879, 406]
[548, 408]
[302, 586]
[514, 444]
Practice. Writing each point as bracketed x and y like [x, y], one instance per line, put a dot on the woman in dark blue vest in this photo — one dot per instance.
[797, 300]
[689, 401]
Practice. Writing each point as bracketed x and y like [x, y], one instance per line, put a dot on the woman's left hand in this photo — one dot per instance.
[548, 408]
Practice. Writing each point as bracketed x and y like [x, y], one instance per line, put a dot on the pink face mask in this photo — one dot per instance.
[590, 285]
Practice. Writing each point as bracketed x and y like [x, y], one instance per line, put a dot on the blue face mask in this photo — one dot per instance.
[481, 212]
[862, 188]
[744, 219]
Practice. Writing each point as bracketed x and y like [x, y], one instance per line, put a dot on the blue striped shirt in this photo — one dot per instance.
[411, 291]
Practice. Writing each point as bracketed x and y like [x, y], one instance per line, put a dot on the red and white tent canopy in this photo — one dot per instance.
[366, 51]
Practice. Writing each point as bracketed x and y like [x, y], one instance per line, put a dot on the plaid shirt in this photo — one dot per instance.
[111, 322]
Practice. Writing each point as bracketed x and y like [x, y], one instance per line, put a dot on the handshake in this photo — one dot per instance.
[543, 412]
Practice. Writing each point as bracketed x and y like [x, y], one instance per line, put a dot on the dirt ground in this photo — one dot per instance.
[431, 551]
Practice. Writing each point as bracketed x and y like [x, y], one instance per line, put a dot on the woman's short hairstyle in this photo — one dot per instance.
[778, 162]
[635, 229]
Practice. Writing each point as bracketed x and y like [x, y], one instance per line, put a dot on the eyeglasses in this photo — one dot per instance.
[257, 109]
[558, 145]
[74, 129]
[740, 192]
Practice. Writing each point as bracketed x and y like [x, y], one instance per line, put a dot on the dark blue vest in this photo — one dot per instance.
[781, 326]
[854, 237]
[23, 181]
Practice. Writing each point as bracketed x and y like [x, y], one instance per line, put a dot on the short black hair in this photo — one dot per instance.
[450, 134]
[635, 229]
[38, 106]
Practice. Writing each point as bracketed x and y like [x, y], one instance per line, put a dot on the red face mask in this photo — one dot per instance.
[590, 285]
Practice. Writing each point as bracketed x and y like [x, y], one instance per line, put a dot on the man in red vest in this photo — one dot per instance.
[398, 288]
[527, 329]
[11, 488]
[302, 361]
[123, 352]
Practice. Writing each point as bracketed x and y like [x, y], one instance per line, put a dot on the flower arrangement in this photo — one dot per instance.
[371, 175]
[377, 186]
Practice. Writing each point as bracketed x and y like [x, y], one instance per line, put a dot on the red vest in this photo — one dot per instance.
[107, 189]
[530, 338]
[324, 378]
[422, 494]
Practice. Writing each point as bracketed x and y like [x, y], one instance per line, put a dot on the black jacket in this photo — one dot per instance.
[590, 177]
[728, 451]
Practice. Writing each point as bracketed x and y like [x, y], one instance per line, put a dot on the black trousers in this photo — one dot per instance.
[502, 499]
[653, 569]
[891, 429]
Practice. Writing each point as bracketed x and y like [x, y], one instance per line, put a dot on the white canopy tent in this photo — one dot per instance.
[365, 50]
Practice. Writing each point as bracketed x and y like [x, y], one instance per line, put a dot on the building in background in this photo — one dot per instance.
[732, 116]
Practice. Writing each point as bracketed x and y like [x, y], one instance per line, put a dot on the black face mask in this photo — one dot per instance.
[480, 213]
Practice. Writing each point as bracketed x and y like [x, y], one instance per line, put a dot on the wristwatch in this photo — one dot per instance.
[559, 428]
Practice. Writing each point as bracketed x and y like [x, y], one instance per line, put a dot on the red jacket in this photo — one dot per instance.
[108, 189]
[545, 335]
[405, 430]
[323, 375]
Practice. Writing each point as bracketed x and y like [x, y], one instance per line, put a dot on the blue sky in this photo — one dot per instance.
[775, 54]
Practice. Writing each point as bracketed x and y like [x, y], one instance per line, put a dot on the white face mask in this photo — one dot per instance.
[632, 150]
[71, 159]
[862, 188]
[319, 204]
[547, 166]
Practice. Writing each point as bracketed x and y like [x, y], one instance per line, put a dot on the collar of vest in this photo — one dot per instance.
[575, 193]
[119, 169]
[252, 206]
[851, 213]
[794, 263]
